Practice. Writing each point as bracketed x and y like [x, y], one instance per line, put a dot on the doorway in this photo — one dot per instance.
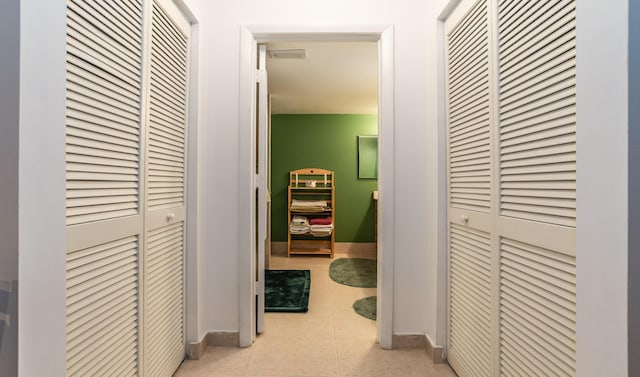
[249, 41]
[323, 101]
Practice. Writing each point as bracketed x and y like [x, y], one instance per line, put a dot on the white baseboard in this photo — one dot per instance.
[356, 249]
[419, 341]
[278, 248]
[223, 338]
[436, 352]
[195, 350]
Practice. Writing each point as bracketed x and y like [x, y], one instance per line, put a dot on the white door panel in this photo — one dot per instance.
[510, 70]
[125, 162]
[104, 183]
[470, 185]
[262, 174]
[163, 288]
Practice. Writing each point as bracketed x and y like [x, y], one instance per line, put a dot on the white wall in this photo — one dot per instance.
[42, 240]
[601, 237]
[416, 118]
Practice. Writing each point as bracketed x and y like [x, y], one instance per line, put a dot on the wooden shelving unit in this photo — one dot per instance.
[311, 184]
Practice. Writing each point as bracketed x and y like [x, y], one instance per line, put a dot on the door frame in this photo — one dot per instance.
[250, 37]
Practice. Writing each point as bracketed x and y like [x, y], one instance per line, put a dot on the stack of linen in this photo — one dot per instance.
[308, 205]
[321, 226]
[299, 225]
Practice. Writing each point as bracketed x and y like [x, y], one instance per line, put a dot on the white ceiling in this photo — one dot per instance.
[334, 78]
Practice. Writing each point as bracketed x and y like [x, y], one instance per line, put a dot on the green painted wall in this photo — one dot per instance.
[328, 142]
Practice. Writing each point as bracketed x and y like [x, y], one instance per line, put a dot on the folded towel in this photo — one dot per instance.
[299, 220]
[308, 203]
[307, 209]
[321, 233]
[299, 229]
[321, 230]
[321, 221]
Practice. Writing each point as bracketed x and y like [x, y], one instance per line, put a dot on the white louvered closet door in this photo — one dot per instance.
[125, 162]
[512, 183]
[104, 222]
[164, 344]
[537, 187]
[469, 180]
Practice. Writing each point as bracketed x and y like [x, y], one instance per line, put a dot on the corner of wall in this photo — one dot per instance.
[633, 296]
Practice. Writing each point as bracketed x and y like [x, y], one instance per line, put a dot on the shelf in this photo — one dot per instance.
[312, 252]
[311, 213]
[306, 243]
[311, 189]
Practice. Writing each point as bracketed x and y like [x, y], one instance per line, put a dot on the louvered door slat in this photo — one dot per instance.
[170, 28]
[119, 21]
[86, 89]
[538, 297]
[100, 105]
[560, 127]
[165, 133]
[103, 108]
[546, 66]
[172, 46]
[80, 119]
[83, 71]
[468, 102]
[459, 39]
[101, 161]
[549, 17]
[161, 58]
[104, 57]
[549, 41]
[537, 113]
[165, 195]
[167, 123]
[97, 132]
[164, 300]
[470, 298]
[164, 90]
[168, 106]
[83, 140]
[107, 19]
[162, 127]
[106, 324]
[160, 160]
[102, 45]
[102, 302]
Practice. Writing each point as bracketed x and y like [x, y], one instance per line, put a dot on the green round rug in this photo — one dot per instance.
[355, 272]
[366, 307]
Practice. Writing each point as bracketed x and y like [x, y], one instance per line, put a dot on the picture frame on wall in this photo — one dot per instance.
[368, 156]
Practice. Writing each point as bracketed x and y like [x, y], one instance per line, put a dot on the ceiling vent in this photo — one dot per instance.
[299, 53]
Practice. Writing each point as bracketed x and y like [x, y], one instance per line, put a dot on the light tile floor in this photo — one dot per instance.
[330, 340]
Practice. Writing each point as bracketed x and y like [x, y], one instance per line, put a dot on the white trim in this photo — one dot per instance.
[245, 187]
[386, 193]
[602, 154]
[249, 37]
[42, 236]
[442, 313]
[191, 243]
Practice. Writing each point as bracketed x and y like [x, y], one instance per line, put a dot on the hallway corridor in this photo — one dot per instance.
[330, 340]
